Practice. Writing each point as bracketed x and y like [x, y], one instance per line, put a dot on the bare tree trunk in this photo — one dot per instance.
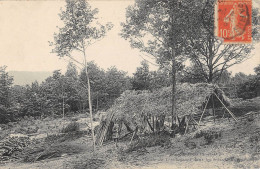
[63, 111]
[89, 98]
[173, 61]
[90, 110]
[174, 114]
[97, 104]
[173, 56]
[210, 60]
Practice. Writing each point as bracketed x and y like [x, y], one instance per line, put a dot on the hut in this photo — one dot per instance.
[145, 110]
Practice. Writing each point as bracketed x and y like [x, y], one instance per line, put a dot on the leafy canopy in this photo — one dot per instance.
[79, 30]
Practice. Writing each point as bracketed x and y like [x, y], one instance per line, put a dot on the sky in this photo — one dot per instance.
[27, 26]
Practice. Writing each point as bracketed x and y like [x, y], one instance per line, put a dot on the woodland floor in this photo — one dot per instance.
[223, 144]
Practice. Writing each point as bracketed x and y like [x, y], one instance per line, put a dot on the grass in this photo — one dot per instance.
[71, 127]
[91, 163]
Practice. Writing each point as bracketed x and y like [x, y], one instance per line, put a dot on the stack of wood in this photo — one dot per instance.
[10, 145]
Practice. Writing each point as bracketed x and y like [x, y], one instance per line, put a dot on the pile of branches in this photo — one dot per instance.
[46, 151]
[53, 146]
[11, 145]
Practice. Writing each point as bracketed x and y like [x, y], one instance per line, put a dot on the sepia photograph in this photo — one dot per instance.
[139, 84]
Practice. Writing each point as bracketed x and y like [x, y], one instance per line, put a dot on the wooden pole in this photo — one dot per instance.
[226, 108]
[153, 122]
[213, 107]
[133, 136]
[194, 120]
[204, 111]
[187, 126]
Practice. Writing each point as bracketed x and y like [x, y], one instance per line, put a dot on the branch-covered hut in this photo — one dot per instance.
[142, 109]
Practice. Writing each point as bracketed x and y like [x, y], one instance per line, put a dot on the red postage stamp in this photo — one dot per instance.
[233, 21]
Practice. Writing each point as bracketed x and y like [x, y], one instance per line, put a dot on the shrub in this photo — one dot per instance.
[71, 127]
[250, 88]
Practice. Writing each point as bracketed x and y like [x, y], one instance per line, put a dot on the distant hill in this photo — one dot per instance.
[27, 77]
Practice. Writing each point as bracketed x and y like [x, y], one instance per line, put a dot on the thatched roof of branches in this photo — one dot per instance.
[191, 99]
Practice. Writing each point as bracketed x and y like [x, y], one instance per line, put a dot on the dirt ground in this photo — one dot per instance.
[224, 144]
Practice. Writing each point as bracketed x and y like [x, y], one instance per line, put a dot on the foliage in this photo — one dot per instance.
[160, 78]
[5, 96]
[107, 85]
[77, 34]
[142, 77]
[78, 31]
[250, 88]
[257, 70]
[62, 92]
[209, 56]
[157, 28]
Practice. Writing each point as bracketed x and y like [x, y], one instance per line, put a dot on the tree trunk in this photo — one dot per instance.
[97, 105]
[173, 60]
[63, 109]
[211, 56]
[210, 78]
[174, 114]
[90, 109]
[89, 98]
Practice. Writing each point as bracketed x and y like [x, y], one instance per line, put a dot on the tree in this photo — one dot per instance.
[78, 34]
[97, 81]
[116, 83]
[71, 86]
[5, 95]
[5, 87]
[257, 70]
[160, 78]
[248, 86]
[208, 53]
[142, 77]
[156, 28]
[71, 71]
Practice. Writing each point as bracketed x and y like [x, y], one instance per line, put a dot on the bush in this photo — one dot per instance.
[249, 89]
[71, 127]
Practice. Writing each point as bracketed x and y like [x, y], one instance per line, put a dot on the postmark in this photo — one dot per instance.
[233, 21]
